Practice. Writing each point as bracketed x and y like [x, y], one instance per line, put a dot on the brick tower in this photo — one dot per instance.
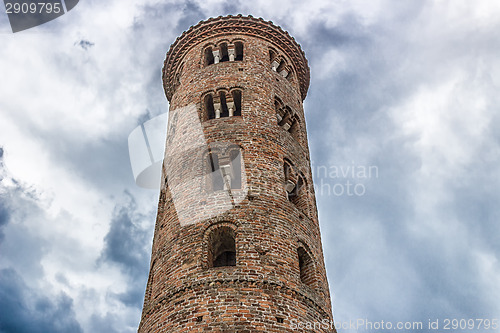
[237, 243]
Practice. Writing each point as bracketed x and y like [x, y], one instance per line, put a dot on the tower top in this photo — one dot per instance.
[245, 25]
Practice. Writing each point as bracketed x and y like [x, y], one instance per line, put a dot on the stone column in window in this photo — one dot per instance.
[226, 176]
[217, 107]
[275, 65]
[216, 55]
[231, 53]
[289, 124]
[289, 186]
[279, 117]
[230, 104]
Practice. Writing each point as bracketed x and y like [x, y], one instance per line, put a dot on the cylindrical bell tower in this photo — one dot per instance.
[237, 243]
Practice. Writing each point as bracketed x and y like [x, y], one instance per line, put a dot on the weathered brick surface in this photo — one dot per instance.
[264, 291]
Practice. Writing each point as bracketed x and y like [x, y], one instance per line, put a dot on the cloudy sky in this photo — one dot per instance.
[409, 89]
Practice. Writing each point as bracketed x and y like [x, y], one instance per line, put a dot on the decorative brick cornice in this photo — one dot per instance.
[246, 25]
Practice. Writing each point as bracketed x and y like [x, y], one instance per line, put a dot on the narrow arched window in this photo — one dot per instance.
[235, 157]
[224, 55]
[287, 119]
[237, 102]
[296, 194]
[296, 187]
[306, 267]
[275, 64]
[178, 75]
[222, 247]
[287, 169]
[215, 179]
[209, 106]
[238, 49]
[177, 79]
[223, 102]
[209, 56]
[295, 129]
[290, 183]
[278, 107]
[272, 55]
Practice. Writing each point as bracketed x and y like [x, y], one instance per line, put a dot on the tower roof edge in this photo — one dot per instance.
[240, 24]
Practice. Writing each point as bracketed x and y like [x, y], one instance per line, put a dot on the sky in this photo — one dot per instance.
[403, 120]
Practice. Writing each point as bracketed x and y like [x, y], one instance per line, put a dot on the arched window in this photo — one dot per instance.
[209, 56]
[306, 267]
[238, 49]
[209, 107]
[278, 104]
[282, 65]
[222, 105]
[223, 168]
[272, 55]
[222, 247]
[235, 162]
[216, 183]
[290, 183]
[295, 129]
[236, 94]
[296, 186]
[278, 107]
[224, 110]
[287, 119]
[224, 55]
[296, 194]
[178, 75]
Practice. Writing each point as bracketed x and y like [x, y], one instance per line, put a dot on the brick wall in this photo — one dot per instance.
[275, 237]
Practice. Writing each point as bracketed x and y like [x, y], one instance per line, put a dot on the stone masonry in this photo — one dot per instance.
[237, 243]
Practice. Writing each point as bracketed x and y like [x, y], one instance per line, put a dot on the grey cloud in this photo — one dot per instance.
[124, 243]
[191, 14]
[18, 203]
[125, 247]
[104, 324]
[4, 216]
[4, 212]
[84, 44]
[134, 296]
[383, 260]
[26, 311]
